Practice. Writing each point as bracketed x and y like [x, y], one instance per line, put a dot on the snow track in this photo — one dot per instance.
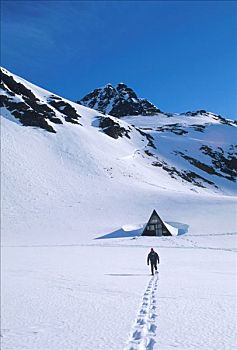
[142, 335]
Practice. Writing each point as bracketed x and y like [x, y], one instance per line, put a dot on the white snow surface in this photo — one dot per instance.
[63, 289]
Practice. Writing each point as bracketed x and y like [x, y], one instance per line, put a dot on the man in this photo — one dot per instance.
[153, 258]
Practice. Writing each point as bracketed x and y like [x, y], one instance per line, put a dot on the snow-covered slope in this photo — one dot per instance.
[72, 162]
[199, 147]
[192, 145]
[77, 187]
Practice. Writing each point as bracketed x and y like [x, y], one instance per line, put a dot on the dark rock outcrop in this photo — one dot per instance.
[186, 175]
[218, 117]
[25, 106]
[118, 101]
[65, 108]
[112, 128]
[224, 161]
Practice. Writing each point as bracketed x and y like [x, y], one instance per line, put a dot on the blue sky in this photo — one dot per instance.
[181, 55]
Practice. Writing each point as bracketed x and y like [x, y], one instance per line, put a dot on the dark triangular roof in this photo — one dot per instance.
[154, 213]
[155, 226]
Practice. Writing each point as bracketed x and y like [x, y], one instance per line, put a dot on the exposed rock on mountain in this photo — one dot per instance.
[24, 105]
[31, 110]
[112, 128]
[118, 101]
[193, 149]
[65, 108]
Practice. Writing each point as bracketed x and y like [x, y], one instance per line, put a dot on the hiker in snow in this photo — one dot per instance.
[153, 258]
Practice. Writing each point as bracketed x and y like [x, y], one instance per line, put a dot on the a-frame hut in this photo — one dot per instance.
[156, 227]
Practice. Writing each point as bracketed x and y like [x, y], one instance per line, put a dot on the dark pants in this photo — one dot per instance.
[153, 265]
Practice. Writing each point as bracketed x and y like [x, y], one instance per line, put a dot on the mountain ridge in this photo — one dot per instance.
[196, 148]
[119, 100]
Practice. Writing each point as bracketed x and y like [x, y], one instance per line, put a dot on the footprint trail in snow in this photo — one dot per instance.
[142, 335]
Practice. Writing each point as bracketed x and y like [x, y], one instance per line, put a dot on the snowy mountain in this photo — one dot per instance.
[77, 187]
[195, 147]
[118, 101]
[199, 147]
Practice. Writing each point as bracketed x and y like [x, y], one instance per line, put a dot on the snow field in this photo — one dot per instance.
[197, 300]
[101, 296]
[52, 184]
[65, 298]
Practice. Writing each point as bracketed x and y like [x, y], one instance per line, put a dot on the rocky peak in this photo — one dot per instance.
[118, 101]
